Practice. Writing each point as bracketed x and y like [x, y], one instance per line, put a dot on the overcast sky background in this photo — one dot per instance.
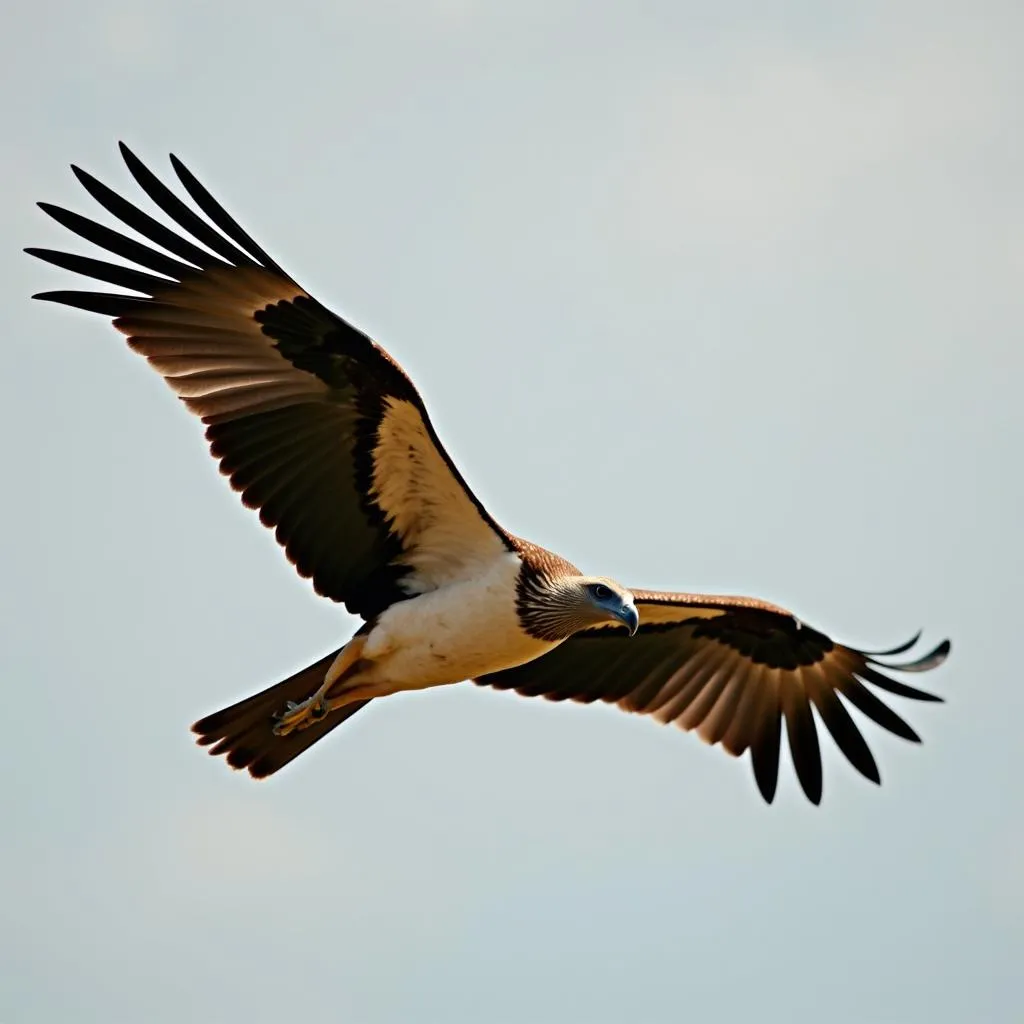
[706, 295]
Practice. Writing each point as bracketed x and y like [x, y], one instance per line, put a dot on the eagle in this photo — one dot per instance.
[321, 431]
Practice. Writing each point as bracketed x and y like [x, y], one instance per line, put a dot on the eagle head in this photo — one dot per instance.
[554, 600]
[606, 601]
[553, 607]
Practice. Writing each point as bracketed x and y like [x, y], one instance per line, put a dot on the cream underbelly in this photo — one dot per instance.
[445, 636]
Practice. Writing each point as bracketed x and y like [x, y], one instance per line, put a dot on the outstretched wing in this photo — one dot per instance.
[731, 669]
[316, 425]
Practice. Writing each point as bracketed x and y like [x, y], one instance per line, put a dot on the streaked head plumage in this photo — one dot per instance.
[556, 606]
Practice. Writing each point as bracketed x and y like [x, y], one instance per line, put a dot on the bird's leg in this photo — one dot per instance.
[302, 714]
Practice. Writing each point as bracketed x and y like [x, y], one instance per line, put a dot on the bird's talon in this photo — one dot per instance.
[298, 715]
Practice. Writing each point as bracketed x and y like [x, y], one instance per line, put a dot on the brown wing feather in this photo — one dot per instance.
[316, 425]
[733, 670]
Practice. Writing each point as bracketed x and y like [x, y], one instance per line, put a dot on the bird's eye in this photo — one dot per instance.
[601, 591]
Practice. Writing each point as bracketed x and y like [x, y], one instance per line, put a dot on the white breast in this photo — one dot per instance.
[458, 632]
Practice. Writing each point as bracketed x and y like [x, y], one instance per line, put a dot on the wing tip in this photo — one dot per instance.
[898, 649]
[813, 785]
[59, 296]
[766, 777]
[924, 663]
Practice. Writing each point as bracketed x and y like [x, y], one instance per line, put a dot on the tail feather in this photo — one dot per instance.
[244, 732]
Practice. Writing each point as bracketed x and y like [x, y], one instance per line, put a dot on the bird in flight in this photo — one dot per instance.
[321, 431]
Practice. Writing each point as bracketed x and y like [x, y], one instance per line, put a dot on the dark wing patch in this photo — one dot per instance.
[304, 412]
[734, 671]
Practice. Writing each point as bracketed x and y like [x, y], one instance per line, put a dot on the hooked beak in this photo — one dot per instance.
[629, 617]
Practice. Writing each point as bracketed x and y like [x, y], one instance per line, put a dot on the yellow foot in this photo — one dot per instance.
[296, 717]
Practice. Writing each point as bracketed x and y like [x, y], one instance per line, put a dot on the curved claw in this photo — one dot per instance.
[297, 716]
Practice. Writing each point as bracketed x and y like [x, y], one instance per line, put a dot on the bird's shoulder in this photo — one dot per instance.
[537, 562]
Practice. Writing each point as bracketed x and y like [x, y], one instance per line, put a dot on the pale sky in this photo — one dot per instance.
[713, 295]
